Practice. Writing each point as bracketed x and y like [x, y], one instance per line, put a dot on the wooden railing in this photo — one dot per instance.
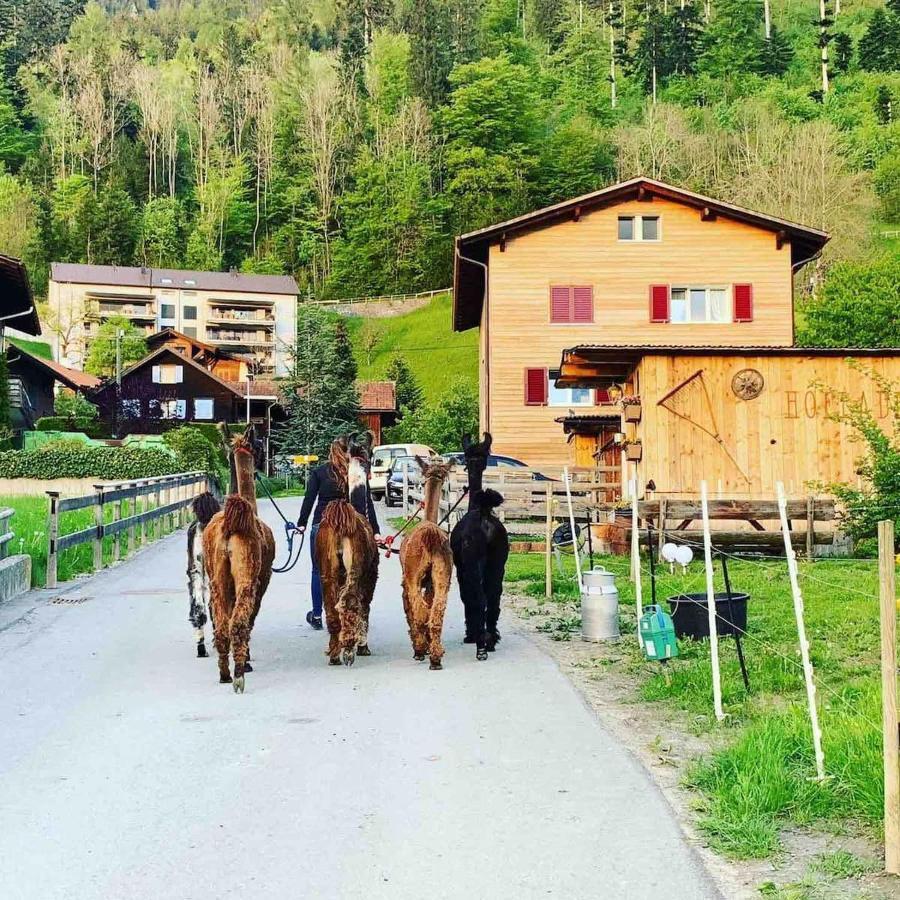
[393, 298]
[163, 502]
[6, 535]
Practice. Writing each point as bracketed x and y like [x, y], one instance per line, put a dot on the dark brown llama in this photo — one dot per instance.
[427, 567]
[348, 563]
[239, 550]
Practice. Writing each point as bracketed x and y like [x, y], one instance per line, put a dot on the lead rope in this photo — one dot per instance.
[290, 530]
[389, 540]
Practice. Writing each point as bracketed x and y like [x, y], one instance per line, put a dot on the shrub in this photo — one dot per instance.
[70, 405]
[93, 428]
[193, 450]
[81, 461]
[441, 424]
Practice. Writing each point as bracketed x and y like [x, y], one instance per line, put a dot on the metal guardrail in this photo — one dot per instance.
[167, 496]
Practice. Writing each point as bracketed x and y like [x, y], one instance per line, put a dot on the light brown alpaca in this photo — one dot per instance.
[238, 549]
[348, 564]
[426, 560]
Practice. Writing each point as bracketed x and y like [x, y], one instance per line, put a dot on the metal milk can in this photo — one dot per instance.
[599, 606]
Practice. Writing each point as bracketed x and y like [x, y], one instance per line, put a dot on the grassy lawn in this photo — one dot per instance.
[29, 525]
[757, 781]
[435, 353]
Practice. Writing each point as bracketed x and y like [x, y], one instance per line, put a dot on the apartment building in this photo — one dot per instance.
[253, 316]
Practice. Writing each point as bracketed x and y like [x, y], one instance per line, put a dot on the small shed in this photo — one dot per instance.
[377, 406]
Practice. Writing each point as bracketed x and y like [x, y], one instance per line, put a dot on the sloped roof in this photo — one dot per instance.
[177, 358]
[144, 276]
[260, 388]
[471, 257]
[166, 334]
[377, 396]
[15, 297]
[73, 378]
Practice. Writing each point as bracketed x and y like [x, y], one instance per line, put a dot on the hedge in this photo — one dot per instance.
[91, 427]
[110, 463]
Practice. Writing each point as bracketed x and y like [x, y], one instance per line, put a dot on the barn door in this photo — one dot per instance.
[585, 448]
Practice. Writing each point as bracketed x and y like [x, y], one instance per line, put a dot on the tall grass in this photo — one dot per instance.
[761, 778]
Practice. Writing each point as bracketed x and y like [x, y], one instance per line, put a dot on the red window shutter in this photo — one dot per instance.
[601, 395]
[583, 304]
[659, 303]
[560, 303]
[743, 303]
[536, 387]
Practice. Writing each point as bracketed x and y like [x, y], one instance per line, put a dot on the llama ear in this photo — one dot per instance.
[466, 441]
[422, 464]
[488, 440]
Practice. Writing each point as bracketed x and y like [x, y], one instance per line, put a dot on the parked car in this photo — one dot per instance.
[393, 489]
[381, 462]
[498, 462]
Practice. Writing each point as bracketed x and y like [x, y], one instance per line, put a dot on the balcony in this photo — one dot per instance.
[128, 310]
[246, 318]
[240, 304]
[241, 338]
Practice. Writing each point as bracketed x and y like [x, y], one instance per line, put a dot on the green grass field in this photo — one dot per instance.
[29, 525]
[435, 353]
[38, 348]
[760, 780]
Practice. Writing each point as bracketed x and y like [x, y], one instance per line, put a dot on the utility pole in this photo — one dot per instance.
[249, 379]
[119, 335]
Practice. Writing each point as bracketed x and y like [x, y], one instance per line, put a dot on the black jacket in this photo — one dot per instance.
[323, 487]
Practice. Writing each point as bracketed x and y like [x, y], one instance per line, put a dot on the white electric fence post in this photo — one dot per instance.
[572, 526]
[801, 634]
[636, 558]
[711, 606]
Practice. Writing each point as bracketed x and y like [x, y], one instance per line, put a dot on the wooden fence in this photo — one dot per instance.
[163, 506]
[6, 535]
[387, 298]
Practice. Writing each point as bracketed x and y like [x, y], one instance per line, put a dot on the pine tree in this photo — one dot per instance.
[320, 403]
[734, 43]
[409, 392]
[649, 62]
[685, 33]
[429, 61]
[343, 348]
[879, 47]
[777, 54]
[884, 104]
[843, 51]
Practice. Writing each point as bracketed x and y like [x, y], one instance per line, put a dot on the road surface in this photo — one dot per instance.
[128, 771]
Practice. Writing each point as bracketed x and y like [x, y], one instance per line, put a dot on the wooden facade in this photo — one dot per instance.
[701, 417]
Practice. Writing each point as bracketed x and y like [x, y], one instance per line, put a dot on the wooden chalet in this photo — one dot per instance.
[377, 406]
[650, 324]
[227, 366]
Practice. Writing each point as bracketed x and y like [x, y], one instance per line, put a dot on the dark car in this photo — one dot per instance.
[393, 486]
[499, 462]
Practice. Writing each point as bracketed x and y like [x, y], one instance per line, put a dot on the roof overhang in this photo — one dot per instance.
[17, 309]
[469, 279]
[598, 366]
[589, 423]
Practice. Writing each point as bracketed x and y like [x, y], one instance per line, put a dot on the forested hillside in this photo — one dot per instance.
[347, 141]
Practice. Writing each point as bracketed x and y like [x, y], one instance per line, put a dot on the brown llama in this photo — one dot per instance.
[427, 565]
[238, 549]
[348, 563]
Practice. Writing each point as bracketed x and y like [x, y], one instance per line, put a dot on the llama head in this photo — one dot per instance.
[250, 442]
[434, 469]
[477, 455]
[358, 452]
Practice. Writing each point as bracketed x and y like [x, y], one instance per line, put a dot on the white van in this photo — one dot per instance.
[381, 462]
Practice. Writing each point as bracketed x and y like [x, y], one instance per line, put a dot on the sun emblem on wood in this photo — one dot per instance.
[747, 384]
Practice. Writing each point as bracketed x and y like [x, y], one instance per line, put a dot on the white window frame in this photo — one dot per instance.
[707, 288]
[178, 374]
[172, 409]
[638, 230]
[211, 408]
[566, 397]
[132, 408]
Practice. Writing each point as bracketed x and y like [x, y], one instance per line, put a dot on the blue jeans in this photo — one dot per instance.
[316, 580]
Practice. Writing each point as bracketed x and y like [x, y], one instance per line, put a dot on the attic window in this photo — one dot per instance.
[639, 228]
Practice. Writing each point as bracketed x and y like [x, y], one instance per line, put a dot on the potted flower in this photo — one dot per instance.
[631, 407]
[634, 450]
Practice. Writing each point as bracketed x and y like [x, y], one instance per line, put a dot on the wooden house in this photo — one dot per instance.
[647, 290]
[226, 365]
[377, 406]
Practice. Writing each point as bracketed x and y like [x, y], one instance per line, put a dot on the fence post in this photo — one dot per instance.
[888, 595]
[98, 524]
[810, 525]
[663, 514]
[52, 535]
[157, 520]
[711, 606]
[116, 515]
[405, 491]
[801, 634]
[132, 512]
[636, 558]
[145, 498]
[548, 538]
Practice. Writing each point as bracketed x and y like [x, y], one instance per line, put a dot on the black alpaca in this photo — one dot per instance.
[480, 547]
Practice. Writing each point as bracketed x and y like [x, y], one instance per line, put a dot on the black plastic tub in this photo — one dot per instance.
[691, 619]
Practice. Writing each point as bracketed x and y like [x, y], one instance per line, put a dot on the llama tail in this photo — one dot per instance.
[341, 517]
[238, 517]
[487, 500]
[205, 506]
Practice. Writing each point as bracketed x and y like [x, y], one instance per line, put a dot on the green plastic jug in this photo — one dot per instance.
[658, 634]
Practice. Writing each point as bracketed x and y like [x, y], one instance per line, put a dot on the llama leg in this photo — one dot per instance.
[368, 591]
[464, 595]
[494, 569]
[221, 633]
[440, 574]
[329, 571]
[245, 600]
[197, 614]
[472, 591]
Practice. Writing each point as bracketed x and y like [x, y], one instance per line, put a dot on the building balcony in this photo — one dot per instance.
[238, 303]
[138, 313]
[235, 339]
[241, 320]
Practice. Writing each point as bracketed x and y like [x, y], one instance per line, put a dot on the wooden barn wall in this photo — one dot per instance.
[588, 252]
[785, 434]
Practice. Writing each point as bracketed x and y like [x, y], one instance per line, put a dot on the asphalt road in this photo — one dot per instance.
[128, 771]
